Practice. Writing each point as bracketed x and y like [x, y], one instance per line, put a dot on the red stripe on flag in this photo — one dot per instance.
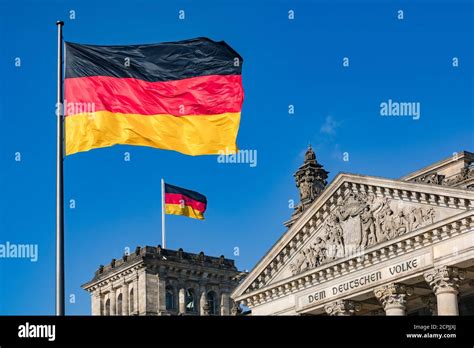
[175, 198]
[204, 95]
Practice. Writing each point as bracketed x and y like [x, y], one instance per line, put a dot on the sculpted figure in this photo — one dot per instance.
[428, 217]
[305, 262]
[367, 222]
[335, 236]
[402, 223]
[320, 251]
[310, 257]
[296, 267]
[416, 218]
[387, 228]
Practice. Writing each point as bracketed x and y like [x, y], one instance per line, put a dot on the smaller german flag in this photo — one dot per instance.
[180, 201]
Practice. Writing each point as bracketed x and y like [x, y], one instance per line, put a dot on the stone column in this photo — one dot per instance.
[182, 301]
[393, 298]
[444, 281]
[96, 310]
[113, 302]
[203, 308]
[225, 303]
[342, 308]
[142, 295]
[136, 295]
[101, 303]
[161, 295]
[125, 309]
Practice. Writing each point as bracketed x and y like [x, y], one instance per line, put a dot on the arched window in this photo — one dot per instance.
[170, 298]
[107, 307]
[119, 304]
[190, 301]
[212, 302]
[132, 302]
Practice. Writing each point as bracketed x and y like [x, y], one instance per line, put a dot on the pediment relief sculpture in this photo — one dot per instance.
[463, 175]
[359, 222]
[337, 222]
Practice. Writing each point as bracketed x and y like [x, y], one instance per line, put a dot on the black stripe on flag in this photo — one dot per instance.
[196, 196]
[154, 62]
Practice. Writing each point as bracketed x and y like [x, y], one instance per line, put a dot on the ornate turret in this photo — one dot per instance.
[311, 179]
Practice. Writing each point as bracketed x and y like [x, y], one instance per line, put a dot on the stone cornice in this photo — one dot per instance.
[158, 260]
[415, 240]
[111, 278]
[439, 165]
[199, 272]
[343, 184]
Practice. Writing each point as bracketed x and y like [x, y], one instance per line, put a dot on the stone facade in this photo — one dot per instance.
[366, 245]
[455, 171]
[156, 281]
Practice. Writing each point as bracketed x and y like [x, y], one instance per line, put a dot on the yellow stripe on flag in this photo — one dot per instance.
[191, 134]
[177, 209]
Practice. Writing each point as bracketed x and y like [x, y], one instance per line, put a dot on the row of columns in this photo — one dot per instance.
[443, 280]
[99, 300]
[223, 308]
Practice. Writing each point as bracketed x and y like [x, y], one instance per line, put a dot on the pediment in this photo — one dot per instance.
[353, 213]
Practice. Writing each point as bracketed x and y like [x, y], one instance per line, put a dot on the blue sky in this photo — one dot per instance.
[286, 62]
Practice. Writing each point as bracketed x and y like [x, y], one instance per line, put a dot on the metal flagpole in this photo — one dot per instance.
[163, 233]
[59, 180]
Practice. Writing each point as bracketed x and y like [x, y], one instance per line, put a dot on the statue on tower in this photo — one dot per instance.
[311, 179]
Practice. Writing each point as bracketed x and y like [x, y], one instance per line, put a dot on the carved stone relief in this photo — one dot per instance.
[359, 222]
[431, 178]
[454, 180]
[464, 174]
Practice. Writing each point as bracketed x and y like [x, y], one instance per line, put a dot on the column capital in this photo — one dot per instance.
[342, 308]
[444, 279]
[393, 295]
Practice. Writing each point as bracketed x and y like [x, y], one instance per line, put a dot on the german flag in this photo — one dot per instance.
[184, 96]
[180, 201]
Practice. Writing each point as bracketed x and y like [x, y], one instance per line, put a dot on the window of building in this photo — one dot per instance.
[119, 304]
[212, 302]
[190, 301]
[132, 302]
[107, 307]
[170, 298]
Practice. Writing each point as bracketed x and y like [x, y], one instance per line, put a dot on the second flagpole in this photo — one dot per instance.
[163, 232]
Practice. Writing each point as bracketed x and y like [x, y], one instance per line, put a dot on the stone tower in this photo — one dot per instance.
[156, 281]
[311, 179]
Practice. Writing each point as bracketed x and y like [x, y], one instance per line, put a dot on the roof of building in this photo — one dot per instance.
[168, 256]
[464, 156]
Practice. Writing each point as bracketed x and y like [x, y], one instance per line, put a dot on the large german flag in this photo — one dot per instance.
[184, 96]
[180, 201]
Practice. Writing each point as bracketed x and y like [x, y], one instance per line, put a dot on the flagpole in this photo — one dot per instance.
[59, 180]
[163, 233]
